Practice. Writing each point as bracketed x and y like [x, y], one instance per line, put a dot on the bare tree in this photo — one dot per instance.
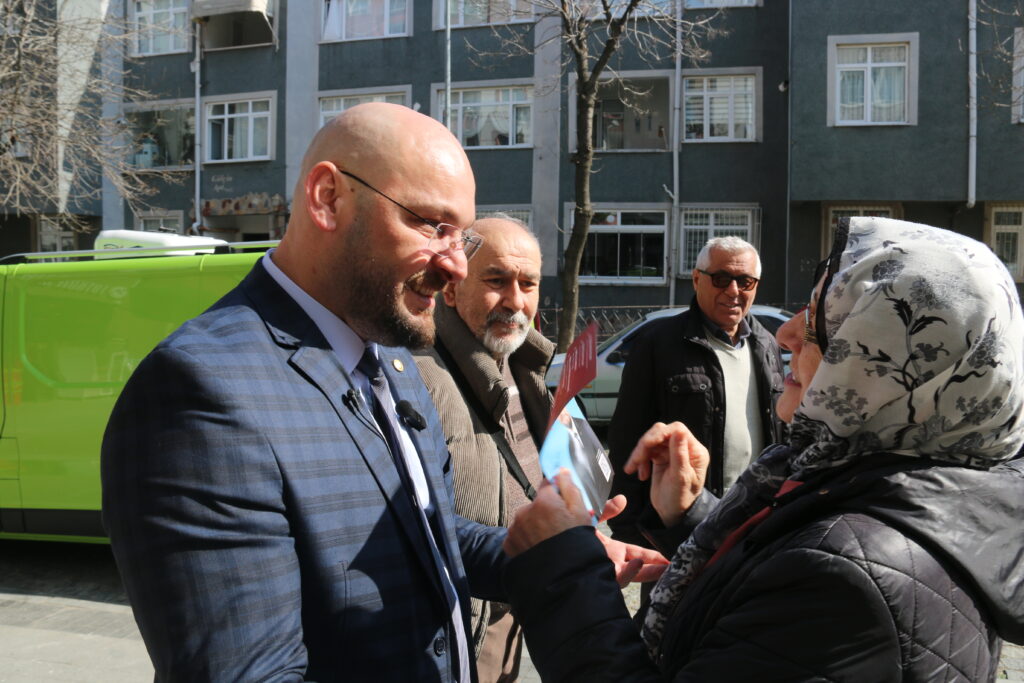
[56, 143]
[1000, 67]
[592, 33]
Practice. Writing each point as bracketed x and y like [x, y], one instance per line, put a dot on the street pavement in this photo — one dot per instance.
[64, 618]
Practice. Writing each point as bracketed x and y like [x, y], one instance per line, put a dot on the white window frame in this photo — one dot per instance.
[405, 91]
[134, 15]
[177, 216]
[523, 212]
[208, 103]
[756, 72]
[1017, 91]
[323, 20]
[640, 207]
[753, 228]
[437, 91]
[912, 42]
[50, 222]
[828, 211]
[439, 16]
[715, 4]
[992, 230]
[164, 105]
[651, 74]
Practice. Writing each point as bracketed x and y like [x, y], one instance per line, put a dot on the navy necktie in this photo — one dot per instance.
[370, 367]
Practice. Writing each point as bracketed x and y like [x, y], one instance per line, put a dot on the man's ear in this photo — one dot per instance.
[323, 195]
[695, 275]
[449, 294]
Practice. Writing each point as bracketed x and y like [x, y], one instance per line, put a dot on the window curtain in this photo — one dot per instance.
[332, 20]
[888, 101]
[851, 95]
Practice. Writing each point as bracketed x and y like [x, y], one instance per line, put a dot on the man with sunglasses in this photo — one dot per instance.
[713, 367]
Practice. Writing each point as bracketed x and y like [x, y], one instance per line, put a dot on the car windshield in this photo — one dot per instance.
[618, 335]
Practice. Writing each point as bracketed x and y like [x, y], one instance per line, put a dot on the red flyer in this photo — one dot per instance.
[579, 370]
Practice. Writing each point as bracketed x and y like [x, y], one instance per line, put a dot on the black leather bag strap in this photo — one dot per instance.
[495, 430]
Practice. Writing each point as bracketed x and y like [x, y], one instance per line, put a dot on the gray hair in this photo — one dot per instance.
[730, 245]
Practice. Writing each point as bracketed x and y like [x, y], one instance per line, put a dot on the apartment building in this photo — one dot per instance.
[806, 111]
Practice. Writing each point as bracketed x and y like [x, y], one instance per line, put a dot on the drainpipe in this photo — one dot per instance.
[197, 117]
[448, 65]
[972, 102]
[674, 224]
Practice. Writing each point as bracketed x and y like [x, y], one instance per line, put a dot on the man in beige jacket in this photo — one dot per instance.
[485, 374]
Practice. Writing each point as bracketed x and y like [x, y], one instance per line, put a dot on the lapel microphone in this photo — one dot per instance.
[351, 399]
[410, 417]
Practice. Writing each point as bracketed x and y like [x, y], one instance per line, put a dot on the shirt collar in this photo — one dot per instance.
[346, 344]
[718, 333]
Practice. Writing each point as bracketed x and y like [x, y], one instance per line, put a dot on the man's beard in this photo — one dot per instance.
[374, 303]
[509, 343]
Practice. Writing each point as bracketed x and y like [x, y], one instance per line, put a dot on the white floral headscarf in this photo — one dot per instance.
[925, 358]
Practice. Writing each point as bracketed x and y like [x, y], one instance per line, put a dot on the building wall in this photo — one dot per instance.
[858, 162]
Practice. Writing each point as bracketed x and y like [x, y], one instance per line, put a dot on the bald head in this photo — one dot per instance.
[374, 182]
[378, 140]
[499, 296]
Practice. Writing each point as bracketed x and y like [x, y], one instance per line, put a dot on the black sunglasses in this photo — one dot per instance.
[722, 280]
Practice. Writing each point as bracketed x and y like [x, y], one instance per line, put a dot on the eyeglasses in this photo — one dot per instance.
[445, 238]
[722, 280]
[810, 335]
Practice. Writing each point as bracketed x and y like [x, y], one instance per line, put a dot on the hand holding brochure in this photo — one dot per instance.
[570, 441]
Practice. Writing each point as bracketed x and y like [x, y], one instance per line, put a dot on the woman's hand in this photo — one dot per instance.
[676, 463]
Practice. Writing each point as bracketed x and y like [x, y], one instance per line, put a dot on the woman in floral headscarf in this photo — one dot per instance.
[884, 542]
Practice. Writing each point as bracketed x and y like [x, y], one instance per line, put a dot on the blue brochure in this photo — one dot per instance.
[572, 444]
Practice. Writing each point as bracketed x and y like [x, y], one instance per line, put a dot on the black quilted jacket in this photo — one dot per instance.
[896, 570]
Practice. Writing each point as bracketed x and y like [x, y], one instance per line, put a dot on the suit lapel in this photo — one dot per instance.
[314, 359]
[408, 385]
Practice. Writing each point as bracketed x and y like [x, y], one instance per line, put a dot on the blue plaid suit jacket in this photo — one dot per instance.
[261, 530]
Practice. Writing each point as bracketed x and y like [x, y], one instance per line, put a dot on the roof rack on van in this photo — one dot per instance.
[193, 246]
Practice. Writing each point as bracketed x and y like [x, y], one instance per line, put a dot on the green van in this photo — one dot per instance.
[72, 330]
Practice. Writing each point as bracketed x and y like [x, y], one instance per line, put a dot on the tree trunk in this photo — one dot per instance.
[583, 213]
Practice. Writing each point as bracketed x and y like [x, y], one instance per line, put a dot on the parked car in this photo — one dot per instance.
[599, 397]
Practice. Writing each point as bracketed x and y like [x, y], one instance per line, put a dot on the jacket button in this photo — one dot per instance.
[675, 390]
[439, 646]
[703, 387]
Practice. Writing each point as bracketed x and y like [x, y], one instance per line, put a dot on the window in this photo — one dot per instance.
[642, 124]
[160, 222]
[238, 29]
[163, 137]
[334, 105]
[13, 138]
[1008, 238]
[699, 4]
[699, 224]
[239, 130]
[162, 26]
[356, 19]
[835, 212]
[719, 108]
[491, 117]
[625, 245]
[524, 215]
[872, 81]
[478, 12]
[52, 235]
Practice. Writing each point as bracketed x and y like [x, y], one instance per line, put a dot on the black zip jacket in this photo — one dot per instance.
[672, 374]
[893, 570]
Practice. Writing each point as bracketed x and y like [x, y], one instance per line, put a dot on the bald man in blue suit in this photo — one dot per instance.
[278, 512]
